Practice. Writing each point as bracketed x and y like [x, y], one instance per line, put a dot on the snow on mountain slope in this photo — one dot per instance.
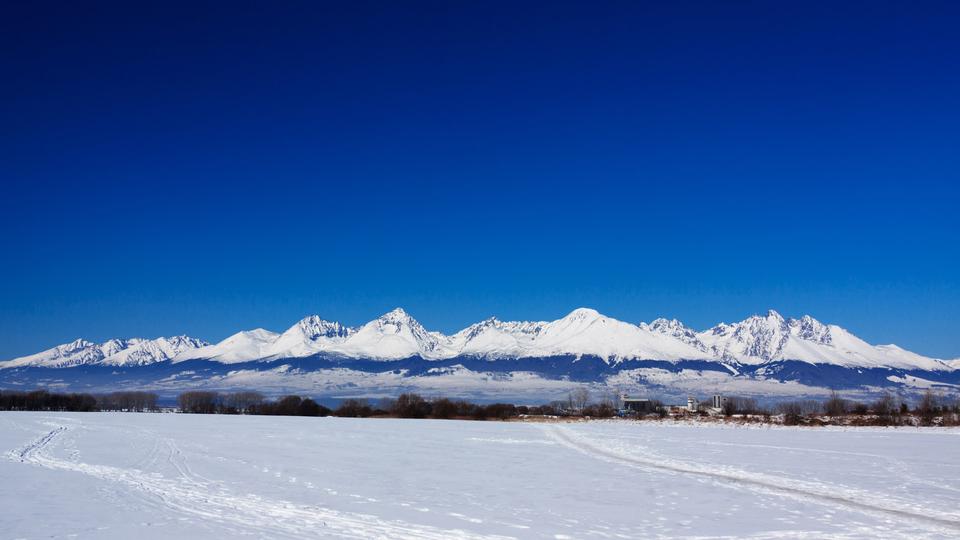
[141, 352]
[494, 338]
[392, 336]
[676, 330]
[754, 341]
[75, 353]
[309, 336]
[241, 347]
[115, 352]
[586, 332]
[583, 332]
[760, 340]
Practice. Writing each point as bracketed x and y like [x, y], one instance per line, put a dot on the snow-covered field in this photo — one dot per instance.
[147, 476]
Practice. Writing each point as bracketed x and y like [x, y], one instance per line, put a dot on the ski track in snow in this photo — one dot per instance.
[945, 523]
[193, 495]
[160, 476]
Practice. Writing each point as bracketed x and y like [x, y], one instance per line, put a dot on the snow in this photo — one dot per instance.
[240, 347]
[144, 352]
[582, 332]
[115, 352]
[759, 340]
[76, 352]
[755, 341]
[115, 475]
[453, 382]
[392, 336]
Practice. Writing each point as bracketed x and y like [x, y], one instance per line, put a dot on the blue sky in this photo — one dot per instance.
[201, 168]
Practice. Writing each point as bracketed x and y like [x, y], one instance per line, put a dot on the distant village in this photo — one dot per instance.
[930, 409]
[633, 406]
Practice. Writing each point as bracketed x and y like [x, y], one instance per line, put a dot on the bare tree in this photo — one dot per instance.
[579, 398]
[836, 405]
[794, 411]
[885, 406]
[611, 399]
[243, 402]
[928, 407]
[199, 402]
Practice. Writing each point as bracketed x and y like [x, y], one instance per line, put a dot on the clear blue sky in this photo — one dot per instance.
[181, 167]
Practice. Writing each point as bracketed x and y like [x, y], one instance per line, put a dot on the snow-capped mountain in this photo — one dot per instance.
[755, 341]
[761, 340]
[391, 336]
[240, 347]
[140, 352]
[114, 352]
[309, 336]
[582, 332]
[677, 330]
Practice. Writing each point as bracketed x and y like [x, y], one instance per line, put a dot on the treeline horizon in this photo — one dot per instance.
[887, 410]
[407, 405]
[44, 400]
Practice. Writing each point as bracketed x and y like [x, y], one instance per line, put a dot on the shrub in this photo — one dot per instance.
[411, 406]
[309, 407]
[501, 411]
[444, 408]
[354, 408]
[199, 402]
[835, 406]
[927, 408]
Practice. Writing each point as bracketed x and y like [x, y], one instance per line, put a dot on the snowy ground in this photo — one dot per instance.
[164, 475]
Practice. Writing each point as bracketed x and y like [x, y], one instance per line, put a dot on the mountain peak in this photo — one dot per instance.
[315, 327]
[774, 315]
[810, 329]
[663, 322]
[758, 339]
[675, 329]
[149, 351]
[398, 318]
[76, 344]
[582, 314]
[396, 315]
[258, 333]
[392, 335]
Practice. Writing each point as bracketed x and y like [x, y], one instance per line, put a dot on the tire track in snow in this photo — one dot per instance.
[26, 453]
[272, 517]
[817, 493]
[894, 465]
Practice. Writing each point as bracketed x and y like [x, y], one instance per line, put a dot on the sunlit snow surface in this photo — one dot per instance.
[182, 476]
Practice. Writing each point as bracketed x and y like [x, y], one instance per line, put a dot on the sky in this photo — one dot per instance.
[201, 168]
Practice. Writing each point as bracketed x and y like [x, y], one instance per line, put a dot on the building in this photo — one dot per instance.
[718, 402]
[693, 404]
[638, 405]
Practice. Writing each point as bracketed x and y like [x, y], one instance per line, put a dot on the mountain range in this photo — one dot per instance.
[583, 332]
[583, 345]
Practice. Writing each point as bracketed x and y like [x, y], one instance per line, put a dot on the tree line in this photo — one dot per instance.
[887, 410]
[44, 400]
[203, 402]
[407, 405]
